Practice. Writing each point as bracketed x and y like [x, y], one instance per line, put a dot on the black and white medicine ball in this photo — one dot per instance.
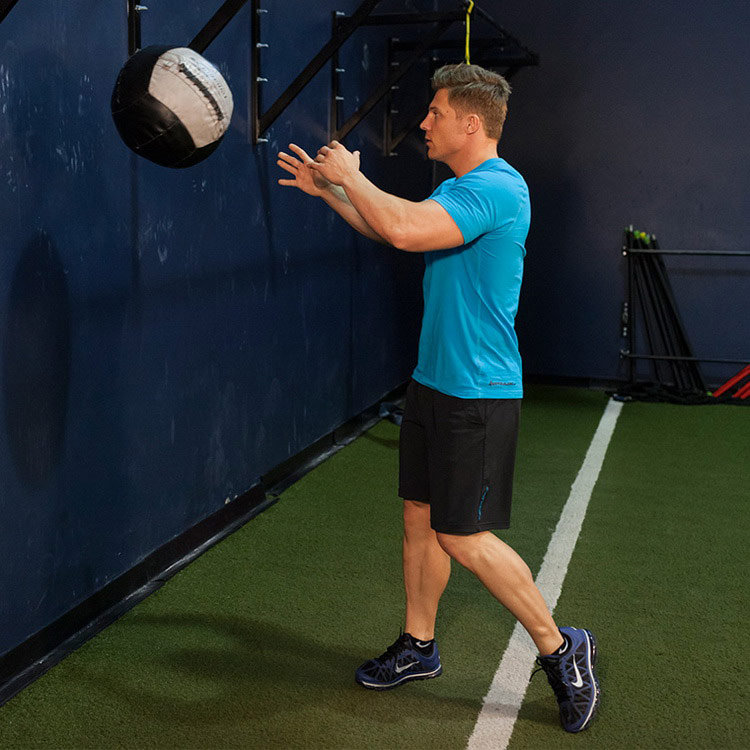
[171, 106]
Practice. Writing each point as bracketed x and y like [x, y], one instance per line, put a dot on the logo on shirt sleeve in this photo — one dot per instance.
[500, 382]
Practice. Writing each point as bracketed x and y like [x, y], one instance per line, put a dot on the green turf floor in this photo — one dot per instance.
[660, 574]
[254, 644]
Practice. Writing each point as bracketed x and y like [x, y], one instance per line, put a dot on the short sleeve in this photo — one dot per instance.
[480, 203]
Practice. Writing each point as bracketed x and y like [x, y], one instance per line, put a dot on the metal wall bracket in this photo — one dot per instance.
[202, 39]
[397, 71]
[263, 120]
[216, 24]
[503, 53]
[134, 26]
[6, 6]
[342, 27]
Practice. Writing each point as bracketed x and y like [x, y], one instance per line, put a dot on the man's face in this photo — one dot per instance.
[445, 134]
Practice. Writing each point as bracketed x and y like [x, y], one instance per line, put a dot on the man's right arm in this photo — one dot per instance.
[314, 184]
[338, 200]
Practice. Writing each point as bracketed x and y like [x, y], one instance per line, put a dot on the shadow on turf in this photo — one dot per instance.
[249, 674]
[385, 442]
[540, 711]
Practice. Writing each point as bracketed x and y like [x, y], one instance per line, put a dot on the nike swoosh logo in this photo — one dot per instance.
[404, 667]
[578, 682]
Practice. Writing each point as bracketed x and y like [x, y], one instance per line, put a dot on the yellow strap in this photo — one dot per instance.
[468, 29]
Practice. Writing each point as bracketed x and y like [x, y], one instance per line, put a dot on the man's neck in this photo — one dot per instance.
[462, 164]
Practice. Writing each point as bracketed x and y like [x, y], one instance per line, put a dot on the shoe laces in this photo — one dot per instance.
[397, 647]
[554, 678]
[393, 651]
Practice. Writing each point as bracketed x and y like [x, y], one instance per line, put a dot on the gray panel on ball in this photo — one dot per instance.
[171, 106]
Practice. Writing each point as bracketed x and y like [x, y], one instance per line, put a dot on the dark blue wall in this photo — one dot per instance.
[170, 336]
[638, 114]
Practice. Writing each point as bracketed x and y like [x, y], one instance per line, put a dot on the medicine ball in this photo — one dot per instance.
[171, 106]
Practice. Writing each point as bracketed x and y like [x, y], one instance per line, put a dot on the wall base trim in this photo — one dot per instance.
[28, 661]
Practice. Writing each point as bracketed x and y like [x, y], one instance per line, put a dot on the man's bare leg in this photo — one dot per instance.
[427, 568]
[507, 577]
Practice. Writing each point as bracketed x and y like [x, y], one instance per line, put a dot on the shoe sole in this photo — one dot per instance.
[598, 693]
[388, 686]
[594, 652]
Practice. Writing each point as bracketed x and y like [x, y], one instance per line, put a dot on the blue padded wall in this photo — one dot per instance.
[169, 336]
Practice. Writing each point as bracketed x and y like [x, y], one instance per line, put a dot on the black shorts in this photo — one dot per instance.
[458, 455]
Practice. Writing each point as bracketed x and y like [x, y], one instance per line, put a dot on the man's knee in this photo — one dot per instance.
[461, 547]
[416, 508]
[416, 517]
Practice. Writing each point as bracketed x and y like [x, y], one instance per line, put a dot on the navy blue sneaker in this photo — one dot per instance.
[571, 675]
[400, 662]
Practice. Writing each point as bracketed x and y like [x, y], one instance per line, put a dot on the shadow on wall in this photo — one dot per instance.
[36, 361]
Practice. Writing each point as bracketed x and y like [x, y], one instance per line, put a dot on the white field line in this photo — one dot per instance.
[501, 704]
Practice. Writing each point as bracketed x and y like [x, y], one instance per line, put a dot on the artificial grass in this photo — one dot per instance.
[254, 645]
[660, 575]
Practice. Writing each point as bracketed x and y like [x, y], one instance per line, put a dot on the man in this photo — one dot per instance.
[460, 423]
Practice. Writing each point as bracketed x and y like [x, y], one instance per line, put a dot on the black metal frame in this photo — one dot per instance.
[263, 120]
[216, 25]
[635, 285]
[6, 7]
[202, 39]
[488, 52]
[398, 71]
[707, 253]
[134, 26]
[342, 27]
[518, 58]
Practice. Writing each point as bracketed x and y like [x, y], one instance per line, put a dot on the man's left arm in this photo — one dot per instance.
[407, 225]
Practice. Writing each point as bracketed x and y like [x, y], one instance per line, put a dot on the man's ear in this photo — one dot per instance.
[472, 124]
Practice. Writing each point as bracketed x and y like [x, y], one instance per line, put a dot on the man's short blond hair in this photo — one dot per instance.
[475, 90]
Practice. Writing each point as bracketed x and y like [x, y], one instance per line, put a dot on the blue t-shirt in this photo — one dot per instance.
[468, 346]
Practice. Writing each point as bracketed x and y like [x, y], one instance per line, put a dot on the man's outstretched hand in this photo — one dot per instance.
[336, 163]
[306, 179]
